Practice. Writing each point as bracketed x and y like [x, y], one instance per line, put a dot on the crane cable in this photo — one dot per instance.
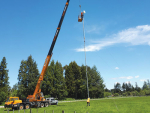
[80, 8]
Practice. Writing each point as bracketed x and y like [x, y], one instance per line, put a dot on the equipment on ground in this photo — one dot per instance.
[37, 99]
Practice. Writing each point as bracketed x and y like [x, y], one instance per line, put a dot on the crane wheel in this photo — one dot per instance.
[27, 106]
[46, 104]
[42, 105]
[38, 104]
[21, 107]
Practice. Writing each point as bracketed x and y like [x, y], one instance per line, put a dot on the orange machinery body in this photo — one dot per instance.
[38, 95]
[37, 92]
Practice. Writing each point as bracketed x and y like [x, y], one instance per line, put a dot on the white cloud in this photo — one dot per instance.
[139, 35]
[116, 67]
[114, 78]
[93, 29]
[117, 82]
[142, 80]
[129, 77]
[128, 82]
[137, 76]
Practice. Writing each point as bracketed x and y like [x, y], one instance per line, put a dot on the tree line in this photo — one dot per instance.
[59, 81]
[127, 89]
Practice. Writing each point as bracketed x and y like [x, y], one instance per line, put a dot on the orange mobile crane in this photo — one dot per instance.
[37, 99]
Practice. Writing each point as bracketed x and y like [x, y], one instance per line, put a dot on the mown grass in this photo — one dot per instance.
[68, 99]
[110, 105]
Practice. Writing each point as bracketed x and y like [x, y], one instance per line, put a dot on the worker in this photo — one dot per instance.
[88, 101]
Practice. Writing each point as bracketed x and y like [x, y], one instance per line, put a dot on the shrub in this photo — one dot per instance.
[106, 94]
[142, 93]
[124, 94]
[147, 92]
[116, 94]
[2, 97]
[47, 96]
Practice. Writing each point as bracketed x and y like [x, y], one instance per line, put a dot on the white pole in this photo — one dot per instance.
[85, 58]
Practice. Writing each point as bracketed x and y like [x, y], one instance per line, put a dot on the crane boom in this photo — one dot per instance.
[47, 60]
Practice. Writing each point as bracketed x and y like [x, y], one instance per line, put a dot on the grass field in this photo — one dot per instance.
[110, 105]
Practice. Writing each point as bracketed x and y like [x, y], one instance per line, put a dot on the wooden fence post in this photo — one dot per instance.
[53, 111]
[13, 110]
[37, 110]
[18, 111]
[63, 111]
[74, 111]
[24, 110]
[44, 111]
[8, 110]
[30, 110]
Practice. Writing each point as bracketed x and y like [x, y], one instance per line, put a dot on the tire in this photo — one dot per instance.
[21, 107]
[33, 103]
[46, 104]
[42, 105]
[38, 104]
[27, 106]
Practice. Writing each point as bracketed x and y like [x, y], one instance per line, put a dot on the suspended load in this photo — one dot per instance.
[80, 17]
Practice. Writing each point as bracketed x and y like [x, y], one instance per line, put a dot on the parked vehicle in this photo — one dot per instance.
[15, 103]
[52, 101]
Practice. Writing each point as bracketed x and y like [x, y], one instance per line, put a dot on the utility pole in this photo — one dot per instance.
[85, 56]
[80, 19]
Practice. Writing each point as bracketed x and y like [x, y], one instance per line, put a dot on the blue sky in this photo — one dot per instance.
[117, 36]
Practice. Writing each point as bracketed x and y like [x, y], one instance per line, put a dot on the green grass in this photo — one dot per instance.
[110, 105]
[68, 99]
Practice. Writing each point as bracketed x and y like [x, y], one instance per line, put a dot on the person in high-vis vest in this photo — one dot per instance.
[88, 101]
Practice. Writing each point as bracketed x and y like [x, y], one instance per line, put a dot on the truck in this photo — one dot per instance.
[52, 101]
[37, 99]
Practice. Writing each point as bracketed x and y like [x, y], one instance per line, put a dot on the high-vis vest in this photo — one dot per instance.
[88, 100]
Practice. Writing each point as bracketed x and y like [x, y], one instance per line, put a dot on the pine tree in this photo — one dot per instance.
[117, 88]
[123, 86]
[28, 77]
[47, 84]
[84, 82]
[148, 83]
[137, 88]
[54, 82]
[96, 85]
[70, 81]
[4, 84]
[145, 85]
[60, 86]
